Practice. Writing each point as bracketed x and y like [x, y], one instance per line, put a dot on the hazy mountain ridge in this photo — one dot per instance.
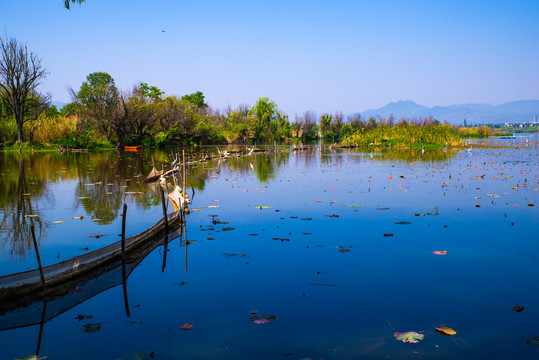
[515, 111]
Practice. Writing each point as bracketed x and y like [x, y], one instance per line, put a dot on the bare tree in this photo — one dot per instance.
[20, 75]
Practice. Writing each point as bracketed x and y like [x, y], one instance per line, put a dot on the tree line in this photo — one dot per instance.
[100, 115]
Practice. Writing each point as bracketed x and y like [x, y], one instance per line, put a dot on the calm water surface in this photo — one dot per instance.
[338, 246]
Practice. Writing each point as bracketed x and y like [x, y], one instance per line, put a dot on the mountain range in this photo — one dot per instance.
[511, 112]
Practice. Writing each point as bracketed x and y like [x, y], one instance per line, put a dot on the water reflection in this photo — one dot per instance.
[100, 182]
[21, 182]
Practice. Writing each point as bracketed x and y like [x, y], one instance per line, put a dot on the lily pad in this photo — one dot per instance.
[81, 317]
[90, 328]
[137, 356]
[409, 336]
[263, 318]
[187, 326]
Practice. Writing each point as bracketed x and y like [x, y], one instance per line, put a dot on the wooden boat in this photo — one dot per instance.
[27, 286]
[133, 148]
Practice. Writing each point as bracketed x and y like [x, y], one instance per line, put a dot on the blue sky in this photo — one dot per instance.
[323, 56]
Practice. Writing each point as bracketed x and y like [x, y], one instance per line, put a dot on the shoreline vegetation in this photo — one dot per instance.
[101, 117]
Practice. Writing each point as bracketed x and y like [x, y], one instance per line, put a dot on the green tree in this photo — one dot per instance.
[68, 110]
[99, 97]
[151, 92]
[20, 76]
[196, 98]
[67, 3]
[264, 113]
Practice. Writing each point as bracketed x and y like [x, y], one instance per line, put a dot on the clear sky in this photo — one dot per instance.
[325, 56]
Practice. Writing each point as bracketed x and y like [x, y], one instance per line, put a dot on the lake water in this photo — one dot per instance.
[310, 255]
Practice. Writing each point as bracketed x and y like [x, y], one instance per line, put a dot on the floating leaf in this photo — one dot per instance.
[533, 341]
[58, 222]
[440, 252]
[78, 217]
[281, 239]
[187, 326]
[228, 228]
[83, 197]
[137, 356]
[403, 223]
[81, 317]
[354, 206]
[409, 336]
[90, 328]
[263, 318]
[388, 234]
[344, 250]
[97, 236]
[227, 255]
[212, 206]
[32, 357]
[518, 308]
[263, 207]
[382, 208]
[444, 330]
[31, 216]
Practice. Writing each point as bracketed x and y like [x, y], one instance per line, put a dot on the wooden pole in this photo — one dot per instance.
[184, 181]
[38, 257]
[165, 250]
[43, 315]
[164, 207]
[124, 288]
[124, 216]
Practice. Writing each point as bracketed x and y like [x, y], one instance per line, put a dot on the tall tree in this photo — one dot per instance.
[99, 97]
[20, 75]
[196, 98]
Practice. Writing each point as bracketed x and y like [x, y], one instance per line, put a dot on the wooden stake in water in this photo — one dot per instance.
[184, 181]
[38, 257]
[124, 216]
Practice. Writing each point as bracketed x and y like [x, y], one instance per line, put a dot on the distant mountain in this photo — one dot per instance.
[516, 111]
